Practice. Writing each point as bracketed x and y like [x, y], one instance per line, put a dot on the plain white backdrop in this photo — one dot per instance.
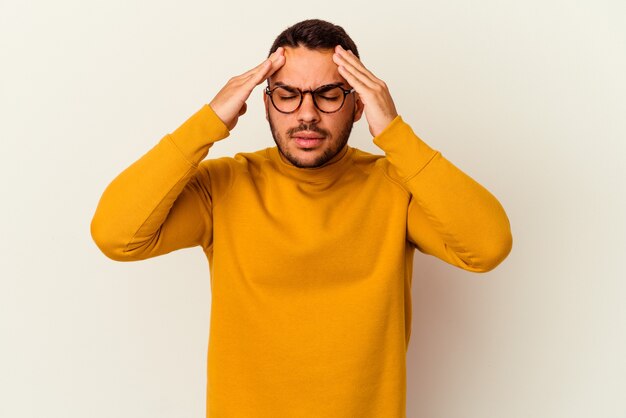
[527, 97]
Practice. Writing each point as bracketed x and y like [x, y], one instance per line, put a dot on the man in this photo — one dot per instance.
[310, 243]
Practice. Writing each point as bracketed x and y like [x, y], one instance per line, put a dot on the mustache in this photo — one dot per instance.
[309, 128]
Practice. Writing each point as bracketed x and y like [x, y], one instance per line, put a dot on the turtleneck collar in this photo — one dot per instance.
[331, 170]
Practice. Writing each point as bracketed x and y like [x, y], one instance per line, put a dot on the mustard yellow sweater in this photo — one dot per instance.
[310, 268]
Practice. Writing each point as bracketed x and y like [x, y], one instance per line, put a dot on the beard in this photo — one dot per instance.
[329, 153]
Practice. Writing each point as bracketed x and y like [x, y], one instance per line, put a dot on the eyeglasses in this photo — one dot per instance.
[328, 98]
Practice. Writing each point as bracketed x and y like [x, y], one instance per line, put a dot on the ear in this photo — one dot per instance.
[358, 107]
[266, 102]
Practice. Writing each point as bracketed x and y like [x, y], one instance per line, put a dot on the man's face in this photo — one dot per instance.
[307, 70]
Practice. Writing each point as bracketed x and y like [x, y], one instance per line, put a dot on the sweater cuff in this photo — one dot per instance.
[198, 133]
[404, 150]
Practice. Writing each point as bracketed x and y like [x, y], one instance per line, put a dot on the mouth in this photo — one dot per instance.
[308, 139]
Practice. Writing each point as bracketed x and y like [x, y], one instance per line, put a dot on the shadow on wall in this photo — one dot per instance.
[446, 330]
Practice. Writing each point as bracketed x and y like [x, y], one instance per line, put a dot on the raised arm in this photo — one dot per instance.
[450, 215]
[162, 202]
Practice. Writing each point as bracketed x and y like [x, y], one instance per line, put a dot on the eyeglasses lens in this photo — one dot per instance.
[327, 99]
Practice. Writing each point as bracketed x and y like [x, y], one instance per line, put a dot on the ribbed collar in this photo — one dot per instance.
[329, 171]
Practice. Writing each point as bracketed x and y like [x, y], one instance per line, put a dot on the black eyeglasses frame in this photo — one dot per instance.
[269, 92]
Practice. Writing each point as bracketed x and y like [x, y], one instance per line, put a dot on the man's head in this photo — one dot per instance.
[309, 48]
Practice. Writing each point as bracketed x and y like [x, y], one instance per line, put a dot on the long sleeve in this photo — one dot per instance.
[450, 215]
[162, 201]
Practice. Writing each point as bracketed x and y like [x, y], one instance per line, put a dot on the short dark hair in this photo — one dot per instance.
[314, 34]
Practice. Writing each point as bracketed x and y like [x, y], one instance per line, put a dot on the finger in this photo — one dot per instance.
[243, 109]
[253, 70]
[355, 66]
[279, 52]
[278, 62]
[356, 72]
[356, 69]
[355, 82]
[265, 72]
[354, 60]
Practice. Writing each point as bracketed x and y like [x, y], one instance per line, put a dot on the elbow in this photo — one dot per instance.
[103, 238]
[492, 254]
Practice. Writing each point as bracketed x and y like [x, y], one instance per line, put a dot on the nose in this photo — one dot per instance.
[307, 111]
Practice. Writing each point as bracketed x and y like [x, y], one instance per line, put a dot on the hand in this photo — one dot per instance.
[379, 107]
[230, 101]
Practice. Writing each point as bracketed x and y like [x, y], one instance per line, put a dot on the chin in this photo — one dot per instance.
[306, 162]
[309, 158]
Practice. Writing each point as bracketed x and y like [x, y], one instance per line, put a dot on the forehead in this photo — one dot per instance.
[308, 68]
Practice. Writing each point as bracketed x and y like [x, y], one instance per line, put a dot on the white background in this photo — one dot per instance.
[527, 97]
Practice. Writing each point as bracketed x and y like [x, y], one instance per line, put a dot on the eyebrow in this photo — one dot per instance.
[335, 84]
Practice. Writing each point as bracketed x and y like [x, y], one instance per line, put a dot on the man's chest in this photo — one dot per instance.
[277, 229]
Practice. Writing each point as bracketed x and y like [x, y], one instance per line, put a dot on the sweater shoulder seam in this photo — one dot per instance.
[389, 178]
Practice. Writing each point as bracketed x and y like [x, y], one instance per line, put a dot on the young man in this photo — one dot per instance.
[310, 243]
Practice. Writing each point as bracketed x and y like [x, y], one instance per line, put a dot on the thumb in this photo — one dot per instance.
[243, 109]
